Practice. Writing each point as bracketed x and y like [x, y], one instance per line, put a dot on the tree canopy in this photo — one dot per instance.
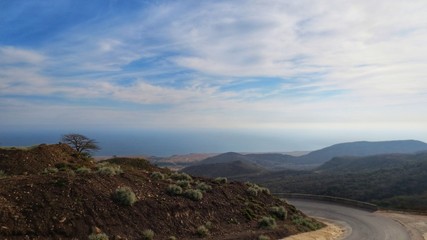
[80, 143]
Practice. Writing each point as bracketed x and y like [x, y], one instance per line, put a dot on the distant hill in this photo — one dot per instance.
[361, 149]
[267, 160]
[225, 169]
[366, 164]
[278, 161]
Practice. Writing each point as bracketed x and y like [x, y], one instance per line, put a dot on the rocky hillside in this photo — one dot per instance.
[62, 197]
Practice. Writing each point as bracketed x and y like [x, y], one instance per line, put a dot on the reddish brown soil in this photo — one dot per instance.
[67, 205]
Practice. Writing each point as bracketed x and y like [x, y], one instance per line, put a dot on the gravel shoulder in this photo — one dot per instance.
[415, 224]
[332, 231]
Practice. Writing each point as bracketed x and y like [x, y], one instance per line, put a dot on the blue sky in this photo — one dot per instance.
[351, 69]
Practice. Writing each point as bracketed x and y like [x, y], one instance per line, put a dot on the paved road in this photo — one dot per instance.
[362, 225]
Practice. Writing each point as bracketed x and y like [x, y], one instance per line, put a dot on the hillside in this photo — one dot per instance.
[225, 169]
[131, 199]
[361, 149]
[394, 181]
[366, 164]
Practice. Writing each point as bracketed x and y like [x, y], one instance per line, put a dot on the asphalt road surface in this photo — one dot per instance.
[361, 225]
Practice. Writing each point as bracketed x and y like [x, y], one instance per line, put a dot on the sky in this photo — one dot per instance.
[302, 73]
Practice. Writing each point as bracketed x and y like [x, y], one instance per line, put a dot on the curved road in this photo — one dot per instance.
[361, 225]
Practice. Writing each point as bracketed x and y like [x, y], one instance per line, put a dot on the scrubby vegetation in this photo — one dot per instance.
[279, 212]
[202, 231]
[98, 236]
[109, 169]
[124, 196]
[148, 234]
[267, 222]
[174, 189]
[193, 194]
[221, 180]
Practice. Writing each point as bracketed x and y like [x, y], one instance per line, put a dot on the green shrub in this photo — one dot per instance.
[306, 222]
[98, 236]
[2, 174]
[124, 196]
[50, 170]
[181, 176]
[267, 222]
[249, 214]
[157, 175]
[148, 234]
[193, 194]
[263, 237]
[83, 170]
[183, 183]
[204, 187]
[209, 225]
[174, 189]
[252, 191]
[279, 212]
[172, 238]
[109, 170]
[252, 187]
[221, 180]
[202, 231]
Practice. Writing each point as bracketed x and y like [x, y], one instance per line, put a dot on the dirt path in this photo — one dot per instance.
[331, 232]
[415, 224]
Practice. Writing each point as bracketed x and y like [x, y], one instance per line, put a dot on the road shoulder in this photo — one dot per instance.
[332, 231]
[416, 225]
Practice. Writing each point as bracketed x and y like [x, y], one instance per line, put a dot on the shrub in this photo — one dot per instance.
[249, 214]
[174, 189]
[110, 170]
[222, 180]
[267, 222]
[181, 176]
[208, 225]
[193, 194]
[124, 196]
[50, 170]
[306, 222]
[148, 234]
[183, 183]
[172, 238]
[2, 174]
[83, 170]
[252, 191]
[203, 187]
[157, 175]
[279, 212]
[253, 186]
[98, 236]
[202, 231]
[263, 237]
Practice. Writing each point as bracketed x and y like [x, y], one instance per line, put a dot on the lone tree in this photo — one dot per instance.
[80, 143]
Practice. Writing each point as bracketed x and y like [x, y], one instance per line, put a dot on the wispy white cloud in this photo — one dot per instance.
[210, 64]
